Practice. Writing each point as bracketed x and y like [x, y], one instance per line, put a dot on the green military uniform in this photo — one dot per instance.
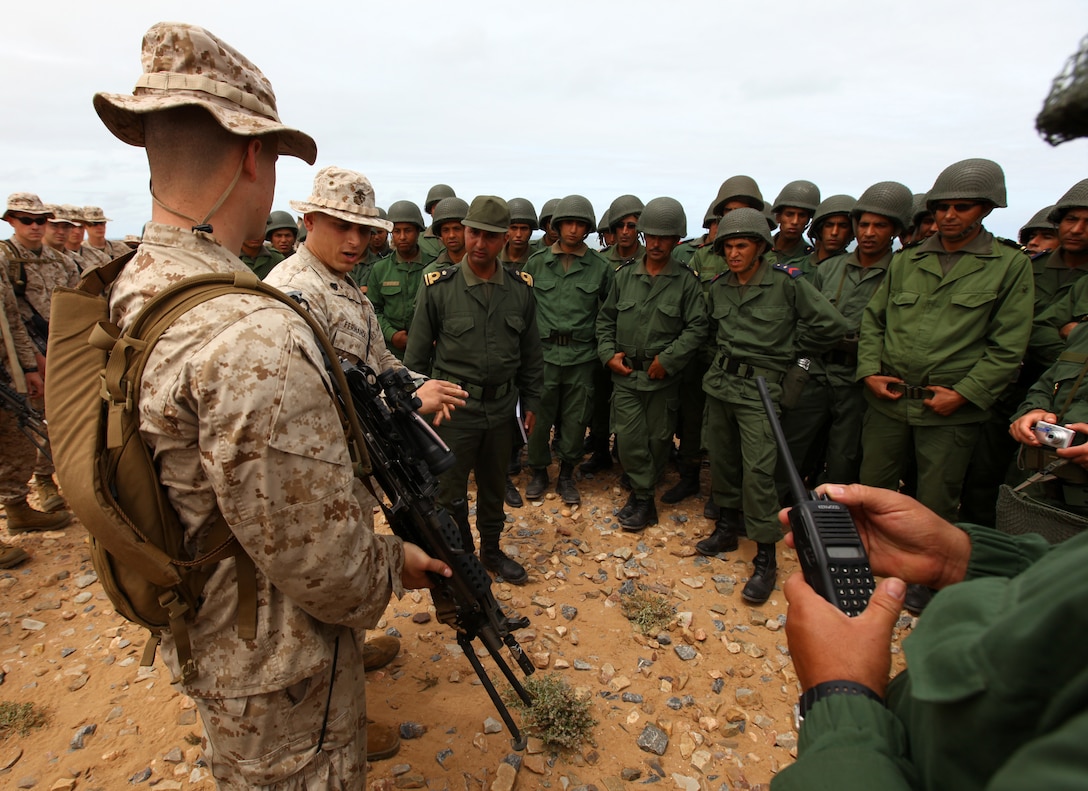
[685, 251]
[647, 316]
[430, 244]
[392, 287]
[612, 255]
[994, 692]
[832, 395]
[483, 336]
[262, 263]
[569, 289]
[512, 263]
[1068, 302]
[760, 328]
[361, 272]
[793, 256]
[965, 328]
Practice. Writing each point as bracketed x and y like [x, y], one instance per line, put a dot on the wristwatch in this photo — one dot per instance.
[828, 688]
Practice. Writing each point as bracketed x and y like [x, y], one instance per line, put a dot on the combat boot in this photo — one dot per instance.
[382, 741]
[687, 486]
[600, 460]
[11, 556]
[642, 515]
[725, 535]
[380, 651]
[711, 509]
[568, 493]
[499, 563]
[628, 507]
[764, 575]
[48, 497]
[513, 496]
[24, 519]
[538, 483]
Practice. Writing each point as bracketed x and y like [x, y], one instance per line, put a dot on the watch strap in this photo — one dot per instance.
[813, 695]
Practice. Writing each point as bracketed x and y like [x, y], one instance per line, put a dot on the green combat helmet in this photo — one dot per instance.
[574, 207]
[435, 194]
[406, 211]
[888, 199]
[1040, 221]
[1076, 197]
[521, 210]
[743, 222]
[710, 216]
[547, 210]
[799, 195]
[447, 210]
[919, 207]
[828, 208]
[603, 223]
[621, 207]
[279, 221]
[970, 179]
[742, 188]
[662, 217]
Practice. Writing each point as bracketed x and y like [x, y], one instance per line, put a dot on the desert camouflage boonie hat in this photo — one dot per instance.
[345, 195]
[488, 213]
[27, 203]
[66, 212]
[94, 214]
[185, 65]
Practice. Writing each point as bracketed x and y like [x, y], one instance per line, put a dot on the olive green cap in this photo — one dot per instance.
[1039, 221]
[522, 210]
[743, 222]
[738, 188]
[406, 211]
[663, 217]
[1076, 197]
[970, 179]
[888, 199]
[488, 213]
[437, 193]
[799, 194]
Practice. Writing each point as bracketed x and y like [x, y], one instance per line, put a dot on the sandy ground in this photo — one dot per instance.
[727, 712]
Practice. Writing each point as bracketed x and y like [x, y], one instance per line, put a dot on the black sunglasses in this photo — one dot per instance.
[32, 220]
[959, 207]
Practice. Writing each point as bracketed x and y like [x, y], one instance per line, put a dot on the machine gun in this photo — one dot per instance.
[407, 457]
[29, 421]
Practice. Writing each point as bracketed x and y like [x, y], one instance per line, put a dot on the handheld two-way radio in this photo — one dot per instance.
[829, 548]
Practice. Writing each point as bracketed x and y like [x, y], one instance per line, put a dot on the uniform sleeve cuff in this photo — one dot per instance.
[997, 554]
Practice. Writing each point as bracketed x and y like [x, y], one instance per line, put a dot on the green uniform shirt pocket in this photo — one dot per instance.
[904, 298]
[973, 299]
[391, 287]
[457, 324]
[516, 323]
[669, 319]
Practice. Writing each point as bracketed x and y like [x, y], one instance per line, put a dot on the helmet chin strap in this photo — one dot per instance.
[202, 225]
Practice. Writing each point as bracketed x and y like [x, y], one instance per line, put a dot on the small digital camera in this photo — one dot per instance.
[1054, 436]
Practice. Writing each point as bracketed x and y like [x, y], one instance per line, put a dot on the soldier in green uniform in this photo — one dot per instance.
[479, 322]
[394, 281]
[763, 316]
[550, 234]
[623, 216]
[685, 251]
[523, 221]
[1039, 235]
[569, 281]
[652, 323]
[429, 241]
[831, 231]
[259, 257]
[605, 236]
[942, 338]
[922, 223]
[793, 210]
[824, 426]
[446, 224]
[281, 232]
[377, 250]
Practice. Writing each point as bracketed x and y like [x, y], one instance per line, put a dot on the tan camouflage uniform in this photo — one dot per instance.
[232, 406]
[92, 257]
[16, 460]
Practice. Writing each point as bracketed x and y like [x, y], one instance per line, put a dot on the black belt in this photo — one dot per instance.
[560, 338]
[478, 391]
[745, 370]
[639, 363]
[841, 357]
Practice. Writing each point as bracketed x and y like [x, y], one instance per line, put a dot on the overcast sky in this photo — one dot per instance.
[543, 99]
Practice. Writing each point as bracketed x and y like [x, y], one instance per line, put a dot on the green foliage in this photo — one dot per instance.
[556, 714]
[648, 612]
[20, 718]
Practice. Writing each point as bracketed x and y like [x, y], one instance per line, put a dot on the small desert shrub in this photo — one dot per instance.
[20, 718]
[648, 612]
[556, 714]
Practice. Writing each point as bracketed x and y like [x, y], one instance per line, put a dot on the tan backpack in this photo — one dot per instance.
[107, 471]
